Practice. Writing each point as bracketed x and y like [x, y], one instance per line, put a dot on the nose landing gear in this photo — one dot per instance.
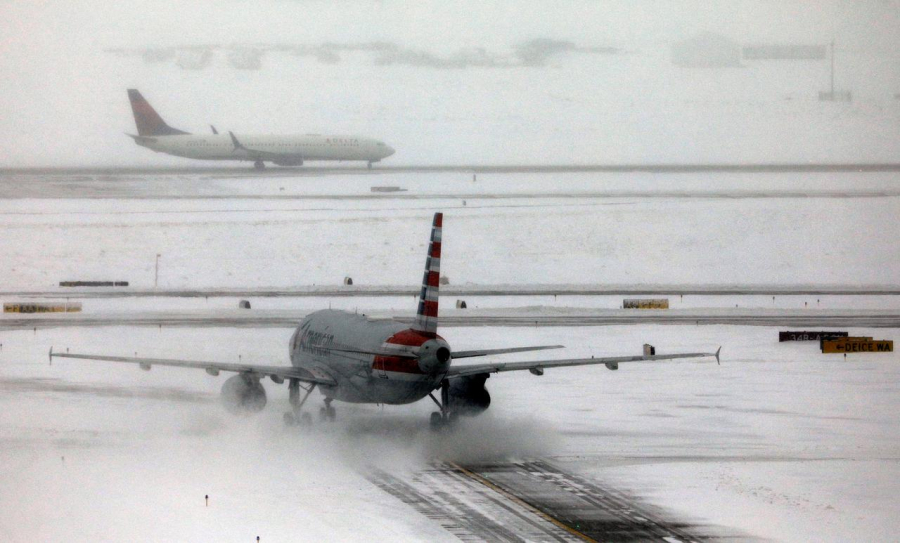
[259, 165]
[294, 416]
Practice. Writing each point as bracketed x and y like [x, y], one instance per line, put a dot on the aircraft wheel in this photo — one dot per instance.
[452, 418]
[326, 414]
[370, 165]
[436, 423]
[289, 419]
[306, 419]
[259, 165]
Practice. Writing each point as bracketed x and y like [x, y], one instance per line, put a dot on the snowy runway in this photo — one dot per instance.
[779, 442]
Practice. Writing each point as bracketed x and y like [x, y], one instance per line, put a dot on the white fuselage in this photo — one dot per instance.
[287, 150]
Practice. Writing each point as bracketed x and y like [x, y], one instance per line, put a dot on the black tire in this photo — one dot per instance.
[331, 413]
[436, 422]
[306, 419]
[289, 419]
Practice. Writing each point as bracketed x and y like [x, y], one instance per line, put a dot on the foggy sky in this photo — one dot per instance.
[63, 92]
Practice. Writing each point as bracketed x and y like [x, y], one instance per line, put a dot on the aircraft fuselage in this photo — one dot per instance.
[334, 344]
[289, 149]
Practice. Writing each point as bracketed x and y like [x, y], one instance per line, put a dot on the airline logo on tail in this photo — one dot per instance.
[148, 121]
[427, 315]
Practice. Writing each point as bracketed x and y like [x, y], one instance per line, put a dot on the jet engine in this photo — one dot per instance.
[243, 393]
[434, 356]
[468, 396]
[287, 161]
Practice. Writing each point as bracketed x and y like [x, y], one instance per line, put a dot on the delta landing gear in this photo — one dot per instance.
[259, 165]
[445, 418]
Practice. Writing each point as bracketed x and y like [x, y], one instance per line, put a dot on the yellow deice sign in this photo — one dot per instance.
[20, 307]
[645, 303]
[857, 345]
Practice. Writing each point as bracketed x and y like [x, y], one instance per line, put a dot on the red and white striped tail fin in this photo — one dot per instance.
[427, 315]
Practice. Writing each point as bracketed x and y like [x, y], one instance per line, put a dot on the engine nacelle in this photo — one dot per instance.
[434, 356]
[468, 396]
[243, 394]
[286, 161]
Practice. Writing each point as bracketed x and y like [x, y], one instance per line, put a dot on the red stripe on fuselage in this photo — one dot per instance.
[411, 338]
[407, 338]
[397, 364]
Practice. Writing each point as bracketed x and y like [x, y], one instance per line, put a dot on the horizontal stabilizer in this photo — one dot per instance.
[385, 352]
[488, 352]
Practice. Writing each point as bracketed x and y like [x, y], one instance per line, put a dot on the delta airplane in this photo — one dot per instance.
[291, 150]
[352, 358]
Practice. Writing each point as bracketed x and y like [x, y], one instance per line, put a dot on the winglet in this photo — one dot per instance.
[214, 129]
[234, 140]
[717, 355]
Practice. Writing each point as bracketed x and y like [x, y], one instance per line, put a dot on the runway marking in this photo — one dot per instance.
[466, 510]
[474, 476]
[600, 513]
[531, 500]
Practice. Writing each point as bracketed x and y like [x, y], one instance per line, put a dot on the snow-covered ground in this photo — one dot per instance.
[778, 442]
[645, 238]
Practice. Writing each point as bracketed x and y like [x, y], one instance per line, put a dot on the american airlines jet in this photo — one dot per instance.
[289, 150]
[352, 358]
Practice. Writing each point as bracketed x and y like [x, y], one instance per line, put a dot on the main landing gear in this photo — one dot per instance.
[327, 413]
[259, 165]
[446, 417]
[296, 416]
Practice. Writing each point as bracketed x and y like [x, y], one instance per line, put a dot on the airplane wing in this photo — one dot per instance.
[256, 153]
[213, 368]
[537, 367]
[486, 352]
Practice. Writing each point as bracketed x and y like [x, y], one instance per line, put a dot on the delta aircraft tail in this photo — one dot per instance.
[148, 121]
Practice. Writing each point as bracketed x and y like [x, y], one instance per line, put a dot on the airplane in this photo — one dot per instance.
[289, 150]
[357, 359]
